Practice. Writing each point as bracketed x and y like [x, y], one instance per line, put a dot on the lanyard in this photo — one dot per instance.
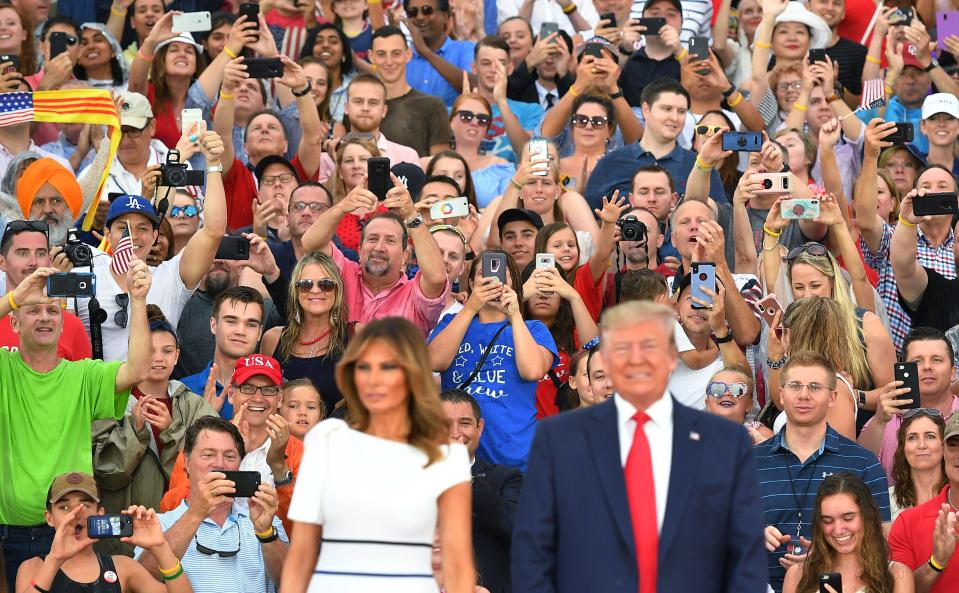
[792, 487]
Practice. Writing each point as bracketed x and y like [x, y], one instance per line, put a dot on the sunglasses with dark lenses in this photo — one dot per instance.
[933, 412]
[813, 249]
[719, 389]
[120, 317]
[581, 121]
[414, 11]
[324, 284]
[210, 551]
[703, 130]
[21, 226]
[468, 116]
[188, 211]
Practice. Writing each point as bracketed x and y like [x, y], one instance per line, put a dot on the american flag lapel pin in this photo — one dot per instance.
[693, 435]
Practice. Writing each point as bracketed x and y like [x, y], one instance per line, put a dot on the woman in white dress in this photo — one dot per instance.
[372, 492]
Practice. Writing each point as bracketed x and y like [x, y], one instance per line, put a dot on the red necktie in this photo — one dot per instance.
[641, 492]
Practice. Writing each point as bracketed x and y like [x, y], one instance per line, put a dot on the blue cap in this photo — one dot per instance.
[129, 203]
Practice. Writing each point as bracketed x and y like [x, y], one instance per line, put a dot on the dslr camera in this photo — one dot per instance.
[175, 174]
[79, 253]
[631, 229]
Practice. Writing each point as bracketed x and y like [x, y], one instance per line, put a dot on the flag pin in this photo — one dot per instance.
[693, 435]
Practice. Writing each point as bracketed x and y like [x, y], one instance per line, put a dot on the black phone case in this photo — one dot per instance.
[935, 204]
[252, 12]
[58, 43]
[247, 483]
[378, 176]
[609, 16]
[698, 49]
[235, 248]
[263, 67]
[653, 24]
[14, 62]
[593, 49]
[904, 134]
[833, 579]
[495, 270]
[908, 373]
[548, 29]
[72, 284]
[105, 526]
[817, 55]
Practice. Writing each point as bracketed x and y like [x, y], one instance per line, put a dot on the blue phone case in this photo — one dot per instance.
[703, 276]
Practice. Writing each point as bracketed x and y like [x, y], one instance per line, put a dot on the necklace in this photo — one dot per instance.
[312, 343]
[949, 498]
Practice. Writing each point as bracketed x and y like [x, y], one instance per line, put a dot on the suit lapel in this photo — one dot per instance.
[681, 475]
[603, 437]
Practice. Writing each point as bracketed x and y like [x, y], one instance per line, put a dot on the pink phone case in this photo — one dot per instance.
[947, 24]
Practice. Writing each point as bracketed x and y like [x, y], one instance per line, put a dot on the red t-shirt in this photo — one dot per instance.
[74, 342]
[168, 132]
[591, 292]
[858, 15]
[547, 388]
[240, 188]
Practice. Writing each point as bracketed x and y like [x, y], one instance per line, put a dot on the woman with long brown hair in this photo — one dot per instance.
[918, 469]
[318, 327]
[396, 442]
[19, 39]
[847, 538]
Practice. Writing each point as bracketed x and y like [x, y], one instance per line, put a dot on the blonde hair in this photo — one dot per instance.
[820, 324]
[339, 314]
[632, 313]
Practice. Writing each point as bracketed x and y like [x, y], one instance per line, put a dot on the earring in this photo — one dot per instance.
[297, 316]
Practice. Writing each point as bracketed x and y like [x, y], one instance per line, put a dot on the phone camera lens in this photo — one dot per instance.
[741, 141]
[767, 183]
[703, 276]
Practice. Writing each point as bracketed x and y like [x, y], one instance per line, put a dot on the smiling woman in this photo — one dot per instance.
[16, 38]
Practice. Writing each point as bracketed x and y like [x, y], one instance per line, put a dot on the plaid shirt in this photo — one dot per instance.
[941, 259]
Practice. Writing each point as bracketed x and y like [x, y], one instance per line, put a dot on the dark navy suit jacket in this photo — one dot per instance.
[573, 530]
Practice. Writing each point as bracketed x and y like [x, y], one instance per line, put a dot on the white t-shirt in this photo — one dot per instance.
[688, 386]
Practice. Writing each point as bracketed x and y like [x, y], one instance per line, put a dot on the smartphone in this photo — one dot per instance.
[901, 17]
[14, 62]
[494, 265]
[547, 29]
[246, 482]
[378, 176]
[69, 284]
[703, 276]
[833, 579]
[797, 549]
[817, 55]
[652, 24]
[59, 41]
[109, 526]
[191, 22]
[768, 308]
[609, 16]
[451, 208]
[773, 183]
[190, 116]
[743, 141]
[263, 67]
[800, 209]
[935, 204]
[908, 373]
[545, 261]
[698, 49]
[947, 25]
[904, 134]
[234, 248]
[595, 50]
[539, 153]
[251, 10]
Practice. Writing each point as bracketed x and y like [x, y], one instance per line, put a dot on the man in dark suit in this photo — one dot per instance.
[496, 490]
[639, 493]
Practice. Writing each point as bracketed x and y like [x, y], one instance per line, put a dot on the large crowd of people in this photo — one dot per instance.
[584, 295]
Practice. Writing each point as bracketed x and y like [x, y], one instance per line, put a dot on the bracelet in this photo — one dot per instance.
[116, 12]
[143, 56]
[170, 571]
[224, 95]
[771, 232]
[42, 590]
[175, 575]
[516, 185]
[725, 339]
[372, 1]
[233, 55]
[732, 104]
[215, 169]
[266, 533]
[13, 305]
[905, 222]
[618, 94]
[800, 107]
[763, 45]
[873, 60]
[933, 564]
[306, 91]
[271, 536]
[776, 364]
[572, 91]
[701, 164]
[682, 55]
[570, 9]
[832, 98]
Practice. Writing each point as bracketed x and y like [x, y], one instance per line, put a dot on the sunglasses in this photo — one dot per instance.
[20, 226]
[703, 130]
[581, 121]
[210, 551]
[468, 116]
[719, 389]
[120, 317]
[188, 211]
[813, 249]
[415, 12]
[323, 284]
[932, 412]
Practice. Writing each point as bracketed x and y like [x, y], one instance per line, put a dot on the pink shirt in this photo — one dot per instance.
[889, 441]
[403, 299]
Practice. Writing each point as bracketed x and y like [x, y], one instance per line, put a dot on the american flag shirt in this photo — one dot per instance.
[941, 259]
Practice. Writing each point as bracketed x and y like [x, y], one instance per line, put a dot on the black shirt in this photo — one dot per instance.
[851, 56]
[938, 306]
[641, 70]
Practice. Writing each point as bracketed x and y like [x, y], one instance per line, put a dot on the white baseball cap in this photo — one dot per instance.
[940, 103]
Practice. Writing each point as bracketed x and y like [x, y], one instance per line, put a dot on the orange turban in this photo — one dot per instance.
[47, 170]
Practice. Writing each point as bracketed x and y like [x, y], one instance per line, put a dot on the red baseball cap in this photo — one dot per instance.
[909, 52]
[257, 364]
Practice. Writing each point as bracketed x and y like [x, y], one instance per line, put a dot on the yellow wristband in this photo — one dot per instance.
[873, 60]
[169, 572]
[117, 12]
[265, 534]
[682, 55]
[572, 91]
[771, 232]
[373, 1]
[570, 9]
[226, 95]
[13, 305]
[763, 45]
[905, 222]
[800, 106]
[736, 101]
[935, 564]
[231, 53]
[703, 164]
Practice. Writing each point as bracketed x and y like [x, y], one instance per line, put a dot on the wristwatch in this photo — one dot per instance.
[414, 222]
[215, 169]
[729, 92]
[270, 538]
[304, 92]
[861, 399]
[616, 95]
[287, 479]
[725, 339]
[932, 65]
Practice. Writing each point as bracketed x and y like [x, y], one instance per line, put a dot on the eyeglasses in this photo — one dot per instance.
[210, 551]
[719, 389]
[414, 12]
[468, 116]
[703, 130]
[268, 390]
[813, 249]
[188, 211]
[120, 317]
[131, 131]
[933, 412]
[323, 284]
[316, 207]
[581, 121]
[20, 226]
[269, 180]
[782, 87]
[812, 388]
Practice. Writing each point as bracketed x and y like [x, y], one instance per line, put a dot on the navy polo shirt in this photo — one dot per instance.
[837, 454]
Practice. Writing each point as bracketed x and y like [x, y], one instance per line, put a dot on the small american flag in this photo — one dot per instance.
[122, 254]
[16, 108]
[873, 94]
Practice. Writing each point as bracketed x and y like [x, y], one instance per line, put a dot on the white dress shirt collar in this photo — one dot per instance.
[660, 413]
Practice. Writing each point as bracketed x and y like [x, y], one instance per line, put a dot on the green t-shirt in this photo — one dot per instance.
[45, 427]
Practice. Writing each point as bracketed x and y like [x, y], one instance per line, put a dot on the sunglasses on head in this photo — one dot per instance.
[932, 412]
[719, 389]
[581, 121]
[19, 226]
[188, 211]
[323, 284]
[703, 130]
[813, 249]
[414, 12]
[468, 116]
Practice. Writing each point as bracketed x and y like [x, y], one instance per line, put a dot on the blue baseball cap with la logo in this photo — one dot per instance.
[129, 203]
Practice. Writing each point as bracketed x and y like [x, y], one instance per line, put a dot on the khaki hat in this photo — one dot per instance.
[952, 427]
[73, 482]
[135, 110]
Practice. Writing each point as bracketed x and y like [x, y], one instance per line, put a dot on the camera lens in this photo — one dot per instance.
[703, 276]
[741, 141]
[767, 183]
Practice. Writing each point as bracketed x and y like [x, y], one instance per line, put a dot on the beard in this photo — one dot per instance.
[637, 256]
[377, 266]
[216, 282]
[58, 229]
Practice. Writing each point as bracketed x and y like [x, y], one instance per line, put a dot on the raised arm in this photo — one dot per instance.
[140, 69]
[518, 137]
[432, 277]
[744, 246]
[608, 236]
[137, 365]
[224, 117]
[873, 66]
[738, 314]
[759, 80]
[242, 34]
[917, 34]
[118, 17]
[310, 149]
[721, 33]
[710, 152]
[200, 250]
[452, 74]
[831, 215]
[533, 361]
[865, 190]
[319, 236]
[911, 278]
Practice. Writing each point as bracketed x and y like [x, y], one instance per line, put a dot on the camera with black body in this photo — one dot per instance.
[175, 174]
[78, 252]
[631, 229]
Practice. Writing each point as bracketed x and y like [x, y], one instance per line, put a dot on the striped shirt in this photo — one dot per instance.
[783, 480]
[941, 259]
[697, 16]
